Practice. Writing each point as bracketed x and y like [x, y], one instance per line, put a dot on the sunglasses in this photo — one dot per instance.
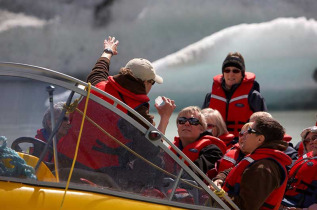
[236, 71]
[250, 130]
[192, 121]
[313, 138]
[241, 133]
[151, 81]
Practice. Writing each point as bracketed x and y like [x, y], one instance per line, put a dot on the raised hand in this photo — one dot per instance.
[111, 43]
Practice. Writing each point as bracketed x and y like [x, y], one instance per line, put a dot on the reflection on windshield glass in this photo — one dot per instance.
[112, 153]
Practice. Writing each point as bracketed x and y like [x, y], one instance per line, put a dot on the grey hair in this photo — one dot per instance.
[58, 108]
[220, 123]
[256, 115]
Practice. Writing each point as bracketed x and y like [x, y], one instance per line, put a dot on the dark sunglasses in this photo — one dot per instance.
[241, 133]
[151, 81]
[192, 121]
[236, 71]
[250, 130]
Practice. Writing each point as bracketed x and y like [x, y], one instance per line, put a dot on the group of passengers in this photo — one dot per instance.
[232, 139]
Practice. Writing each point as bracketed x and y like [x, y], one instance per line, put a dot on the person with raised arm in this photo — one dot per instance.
[97, 151]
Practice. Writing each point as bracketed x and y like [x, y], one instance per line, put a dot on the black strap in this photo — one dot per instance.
[121, 96]
[268, 206]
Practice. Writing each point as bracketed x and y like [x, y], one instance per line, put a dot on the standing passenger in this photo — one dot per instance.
[235, 94]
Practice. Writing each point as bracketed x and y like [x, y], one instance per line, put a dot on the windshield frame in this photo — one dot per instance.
[73, 84]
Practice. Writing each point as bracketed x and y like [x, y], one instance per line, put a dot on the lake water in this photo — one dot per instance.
[293, 122]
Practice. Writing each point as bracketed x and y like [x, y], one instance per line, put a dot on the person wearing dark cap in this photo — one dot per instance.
[235, 94]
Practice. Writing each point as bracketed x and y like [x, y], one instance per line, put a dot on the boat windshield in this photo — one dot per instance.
[94, 144]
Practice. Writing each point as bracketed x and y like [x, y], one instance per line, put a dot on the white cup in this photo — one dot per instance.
[159, 101]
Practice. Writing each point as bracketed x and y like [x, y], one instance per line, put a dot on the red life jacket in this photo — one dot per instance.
[192, 150]
[181, 195]
[113, 88]
[301, 149]
[230, 159]
[42, 135]
[237, 111]
[233, 180]
[228, 139]
[96, 149]
[302, 184]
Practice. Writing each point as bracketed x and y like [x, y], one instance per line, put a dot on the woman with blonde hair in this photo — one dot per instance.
[200, 147]
[217, 126]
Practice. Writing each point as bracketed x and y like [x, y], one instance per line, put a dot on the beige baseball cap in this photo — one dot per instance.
[143, 69]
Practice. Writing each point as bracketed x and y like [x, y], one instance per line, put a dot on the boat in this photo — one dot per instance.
[51, 185]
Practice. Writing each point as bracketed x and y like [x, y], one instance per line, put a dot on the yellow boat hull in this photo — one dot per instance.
[33, 198]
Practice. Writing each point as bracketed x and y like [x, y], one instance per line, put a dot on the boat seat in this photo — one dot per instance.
[43, 173]
[36, 149]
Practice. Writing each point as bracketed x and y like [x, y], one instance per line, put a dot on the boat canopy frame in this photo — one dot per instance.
[56, 78]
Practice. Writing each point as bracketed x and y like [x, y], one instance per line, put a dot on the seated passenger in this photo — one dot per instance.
[302, 183]
[304, 147]
[232, 157]
[255, 115]
[290, 151]
[45, 132]
[259, 180]
[200, 147]
[217, 126]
